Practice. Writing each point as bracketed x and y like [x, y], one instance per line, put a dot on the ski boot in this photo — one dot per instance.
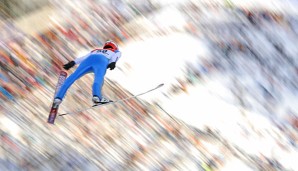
[97, 101]
[56, 103]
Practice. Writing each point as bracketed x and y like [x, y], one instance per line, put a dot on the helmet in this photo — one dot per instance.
[110, 45]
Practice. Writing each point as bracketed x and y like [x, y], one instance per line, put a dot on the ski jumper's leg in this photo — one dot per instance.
[99, 69]
[84, 68]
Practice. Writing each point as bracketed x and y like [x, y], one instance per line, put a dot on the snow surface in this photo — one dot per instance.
[156, 60]
[161, 60]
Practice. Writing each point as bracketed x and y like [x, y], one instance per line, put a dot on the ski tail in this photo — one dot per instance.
[54, 111]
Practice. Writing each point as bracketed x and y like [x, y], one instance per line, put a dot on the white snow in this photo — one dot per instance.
[156, 60]
[235, 164]
[161, 59]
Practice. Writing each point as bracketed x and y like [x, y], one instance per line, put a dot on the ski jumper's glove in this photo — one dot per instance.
[69, 65]
[112, 65]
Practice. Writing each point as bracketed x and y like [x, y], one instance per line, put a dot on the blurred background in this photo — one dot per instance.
[229, 102]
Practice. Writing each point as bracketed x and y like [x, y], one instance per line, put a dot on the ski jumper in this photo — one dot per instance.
[95, 62]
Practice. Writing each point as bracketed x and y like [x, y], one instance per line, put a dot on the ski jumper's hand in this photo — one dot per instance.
[112, 65]
[69, 65]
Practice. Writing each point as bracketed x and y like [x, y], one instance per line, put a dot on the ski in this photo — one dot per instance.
[54, 111]
[117, 101]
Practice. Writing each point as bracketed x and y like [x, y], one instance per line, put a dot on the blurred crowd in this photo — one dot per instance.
[24, 56]
[254, 51]
[255, 58]
[256, 54]
[129, 136]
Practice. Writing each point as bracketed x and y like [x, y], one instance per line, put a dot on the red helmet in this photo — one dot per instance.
[110, 45]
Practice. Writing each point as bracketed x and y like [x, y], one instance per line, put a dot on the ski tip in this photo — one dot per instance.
[160, 85]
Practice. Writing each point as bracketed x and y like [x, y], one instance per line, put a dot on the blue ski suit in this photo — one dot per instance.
[97, 62]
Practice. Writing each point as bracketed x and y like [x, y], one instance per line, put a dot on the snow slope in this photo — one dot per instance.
[161, 59]
[145, 64]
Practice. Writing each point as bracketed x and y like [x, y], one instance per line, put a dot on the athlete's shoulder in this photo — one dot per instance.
[96, 49]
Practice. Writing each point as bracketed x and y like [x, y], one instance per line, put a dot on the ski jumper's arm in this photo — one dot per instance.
[115, 57]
